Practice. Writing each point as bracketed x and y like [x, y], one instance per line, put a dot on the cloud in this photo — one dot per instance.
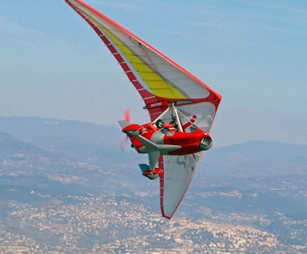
[11, 28]
[283, 31]
[273, 18]
[220, 26]
[276, 6]
[290, 14]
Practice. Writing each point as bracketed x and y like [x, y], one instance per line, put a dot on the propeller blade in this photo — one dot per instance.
[123, 144]
[127, 115]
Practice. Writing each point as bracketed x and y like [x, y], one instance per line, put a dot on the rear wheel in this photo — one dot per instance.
[152, 176]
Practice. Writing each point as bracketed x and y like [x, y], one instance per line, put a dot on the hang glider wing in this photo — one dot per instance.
[159, 81]
[178, 174]
[157, 78]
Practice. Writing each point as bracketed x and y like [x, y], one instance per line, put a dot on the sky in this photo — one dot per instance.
[253, 53]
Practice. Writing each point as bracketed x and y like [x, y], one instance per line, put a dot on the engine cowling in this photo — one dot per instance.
[133, 130]
[205, 143]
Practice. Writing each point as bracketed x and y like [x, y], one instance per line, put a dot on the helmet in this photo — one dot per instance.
[159, 124]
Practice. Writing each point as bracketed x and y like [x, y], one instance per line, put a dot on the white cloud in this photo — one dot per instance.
[9, 27]
[279, 7]
[283, 31]
[220, 26]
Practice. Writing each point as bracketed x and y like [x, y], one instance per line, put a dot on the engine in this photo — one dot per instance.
[133, 130]
[205, 143]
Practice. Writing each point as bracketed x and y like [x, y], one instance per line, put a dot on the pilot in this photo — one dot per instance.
[151, 127]
[159, 124]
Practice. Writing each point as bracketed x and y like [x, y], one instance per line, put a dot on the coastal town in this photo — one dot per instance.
[117, 225]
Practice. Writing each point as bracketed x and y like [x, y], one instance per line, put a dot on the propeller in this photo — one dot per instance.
[123, 144]
[127, 115]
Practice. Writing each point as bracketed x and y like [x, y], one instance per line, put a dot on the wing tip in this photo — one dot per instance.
[169, 218]
[166, 216]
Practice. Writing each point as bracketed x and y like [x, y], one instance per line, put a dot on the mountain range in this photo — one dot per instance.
[262, 180]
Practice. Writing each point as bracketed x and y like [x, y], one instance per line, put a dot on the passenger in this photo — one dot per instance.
[169, 129]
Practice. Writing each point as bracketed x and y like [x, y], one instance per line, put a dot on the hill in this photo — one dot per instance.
[59, 177]
[81, 140]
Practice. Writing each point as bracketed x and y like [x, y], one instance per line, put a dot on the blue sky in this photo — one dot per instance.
[254, 53]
